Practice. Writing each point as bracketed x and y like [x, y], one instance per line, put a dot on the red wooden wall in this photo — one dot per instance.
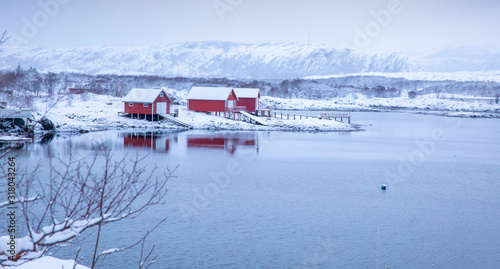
[138, 108]
[210, 105]
[249, 103]
[207, 105]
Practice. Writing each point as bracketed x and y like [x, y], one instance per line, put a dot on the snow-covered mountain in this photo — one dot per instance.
[208, 59]
[457, 59]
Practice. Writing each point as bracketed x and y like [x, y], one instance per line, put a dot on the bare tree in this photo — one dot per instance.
[81, 194]
[4, 38]
[50, 81]
[438, 93]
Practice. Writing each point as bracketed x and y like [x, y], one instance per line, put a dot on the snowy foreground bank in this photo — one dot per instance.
[49, 262]
[82, 113]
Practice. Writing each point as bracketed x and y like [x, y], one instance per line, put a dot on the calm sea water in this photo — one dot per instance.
[313, 200]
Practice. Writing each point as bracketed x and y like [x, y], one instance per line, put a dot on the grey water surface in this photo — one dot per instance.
[313, 200]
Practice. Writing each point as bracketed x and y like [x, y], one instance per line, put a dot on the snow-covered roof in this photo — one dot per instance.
[209, 93]
[142, 95]
[246, 92]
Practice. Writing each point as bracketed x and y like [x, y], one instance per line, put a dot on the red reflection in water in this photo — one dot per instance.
[146, 140]
[228, 142]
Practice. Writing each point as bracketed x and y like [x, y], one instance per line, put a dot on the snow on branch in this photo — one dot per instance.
[83, 194]
[20, 200]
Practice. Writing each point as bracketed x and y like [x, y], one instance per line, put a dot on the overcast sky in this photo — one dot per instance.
[380, 25]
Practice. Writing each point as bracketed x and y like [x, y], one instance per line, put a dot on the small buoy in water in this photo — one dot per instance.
[383, 187]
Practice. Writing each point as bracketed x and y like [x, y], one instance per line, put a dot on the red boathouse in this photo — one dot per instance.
[248, 98]
[212, 99]
[146, 102]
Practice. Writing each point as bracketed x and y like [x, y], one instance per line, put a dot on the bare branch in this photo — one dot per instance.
[4, 38]
[76, 258]
[81, 194]
[140, 241]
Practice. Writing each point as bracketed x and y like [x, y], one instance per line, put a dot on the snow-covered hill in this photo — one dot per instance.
[208, 59]
[458, 59]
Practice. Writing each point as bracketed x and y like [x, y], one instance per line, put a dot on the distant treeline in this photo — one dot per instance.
[19, 86]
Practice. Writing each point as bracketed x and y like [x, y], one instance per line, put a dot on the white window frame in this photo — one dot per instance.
[130, 104]
[145, 104]
[161, 94]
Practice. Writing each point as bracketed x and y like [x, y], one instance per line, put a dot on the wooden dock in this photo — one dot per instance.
[253, 118]
[336, 115]
[176, 121]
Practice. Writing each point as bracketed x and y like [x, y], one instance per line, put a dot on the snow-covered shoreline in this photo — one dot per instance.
[87, 113]
[100, 112]
[426, 104]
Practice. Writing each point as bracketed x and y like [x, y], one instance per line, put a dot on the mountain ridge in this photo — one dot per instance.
[209, 59]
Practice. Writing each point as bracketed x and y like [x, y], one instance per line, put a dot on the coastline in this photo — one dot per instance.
[91, 113]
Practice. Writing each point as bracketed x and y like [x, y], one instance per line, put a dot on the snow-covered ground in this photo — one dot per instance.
[49, 262]
[90, 112]
[100, 112]
[424, 103]
[82, 113]
[426, 76]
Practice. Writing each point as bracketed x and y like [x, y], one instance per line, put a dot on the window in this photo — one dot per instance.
[130, 104]
[145, 105]
[161, 94]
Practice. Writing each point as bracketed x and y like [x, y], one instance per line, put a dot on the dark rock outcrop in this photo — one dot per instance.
[47, 124]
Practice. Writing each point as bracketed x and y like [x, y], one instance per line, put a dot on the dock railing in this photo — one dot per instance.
[335, 115]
